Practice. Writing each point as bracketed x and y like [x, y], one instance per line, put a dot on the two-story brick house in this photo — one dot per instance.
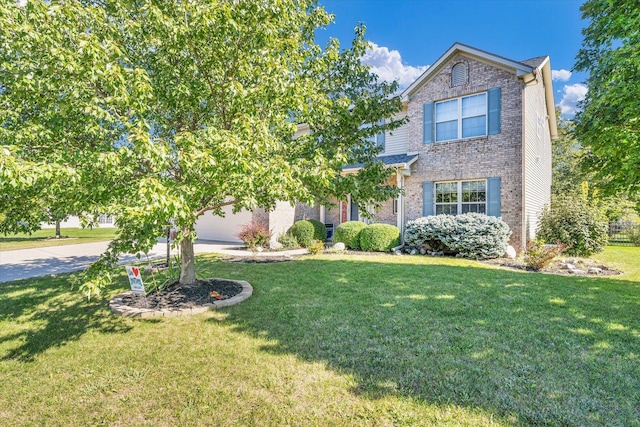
[478, 139]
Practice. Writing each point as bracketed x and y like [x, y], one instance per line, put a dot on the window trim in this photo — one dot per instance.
[460, 118]
[459, 203]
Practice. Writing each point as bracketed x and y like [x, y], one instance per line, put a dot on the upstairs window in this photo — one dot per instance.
[458, 74]
[464, 117]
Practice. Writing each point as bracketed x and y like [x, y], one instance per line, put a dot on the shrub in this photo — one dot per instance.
[316, 247]
[631, 227]
[576, 224]
[471, 235]
[288, 241]
[254, 235]
[304, 232]
[379, 237]
[538, 255]
[319, 230]
[349, 234]
[634, 235]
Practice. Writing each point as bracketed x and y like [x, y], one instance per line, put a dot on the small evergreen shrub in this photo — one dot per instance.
[316, 247]
[349, 234]
[319, 230]
[575, 223]
[379, 237]
[471, 235]
[288, 241]
[437, 233]
[634, 235]
[632, 230]
[254, 235]
[304, 232]
[538, 255]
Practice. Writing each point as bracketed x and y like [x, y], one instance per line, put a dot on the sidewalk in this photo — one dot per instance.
[26, 263]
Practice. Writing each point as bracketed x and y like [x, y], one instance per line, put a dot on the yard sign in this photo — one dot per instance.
[135, 280]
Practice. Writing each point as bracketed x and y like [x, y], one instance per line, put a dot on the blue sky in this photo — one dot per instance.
[408, 35]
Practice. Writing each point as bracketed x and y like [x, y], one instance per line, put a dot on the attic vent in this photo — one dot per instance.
[458, 74]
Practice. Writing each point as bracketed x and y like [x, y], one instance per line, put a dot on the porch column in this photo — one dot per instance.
[400, 209]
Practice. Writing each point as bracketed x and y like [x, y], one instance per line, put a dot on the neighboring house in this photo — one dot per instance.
[104, 221]
[478, 139]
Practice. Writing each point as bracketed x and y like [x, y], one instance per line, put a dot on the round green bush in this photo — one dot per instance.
[304, 232]
[349, 234]
[319, 230]
[581, 227]
[379, 237]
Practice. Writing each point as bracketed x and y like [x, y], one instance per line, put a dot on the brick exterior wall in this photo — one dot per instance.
[332, 214]
[303, 211]
[473, 158]
[385, 215]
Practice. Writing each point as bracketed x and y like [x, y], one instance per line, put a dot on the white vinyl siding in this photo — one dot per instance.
[537, 158]
[464, 117]
[396, 141]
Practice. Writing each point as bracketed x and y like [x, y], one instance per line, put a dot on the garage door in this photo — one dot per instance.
[210, 227]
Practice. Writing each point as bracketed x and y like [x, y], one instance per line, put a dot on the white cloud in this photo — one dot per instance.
[387, 64]
[572, 94]
[560, 75]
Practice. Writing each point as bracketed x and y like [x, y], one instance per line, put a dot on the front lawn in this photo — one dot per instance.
[46, 237]
[334, 340]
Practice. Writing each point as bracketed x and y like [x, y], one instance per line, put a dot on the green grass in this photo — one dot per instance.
[335, 340]
[46, 237]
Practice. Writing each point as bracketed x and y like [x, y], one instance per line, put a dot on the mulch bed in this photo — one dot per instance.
[178, 296]
[557, 267]
[258, 260]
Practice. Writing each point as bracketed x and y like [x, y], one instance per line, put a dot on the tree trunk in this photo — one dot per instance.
[58, 229]
[187, 262]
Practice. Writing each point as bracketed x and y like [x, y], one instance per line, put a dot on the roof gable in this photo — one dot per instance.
[519, 68]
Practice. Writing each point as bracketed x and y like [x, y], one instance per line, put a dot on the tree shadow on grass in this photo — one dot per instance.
[532, 348]
[55, 313]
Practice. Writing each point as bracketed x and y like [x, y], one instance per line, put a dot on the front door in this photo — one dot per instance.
[355, 213]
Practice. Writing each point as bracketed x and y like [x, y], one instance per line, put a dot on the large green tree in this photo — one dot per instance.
[159, 111]
[609, 124]
[572, 181]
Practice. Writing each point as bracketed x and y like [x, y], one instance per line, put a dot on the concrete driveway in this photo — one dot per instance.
[26, 263]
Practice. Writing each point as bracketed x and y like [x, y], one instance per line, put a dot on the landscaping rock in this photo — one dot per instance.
[577, 272]
[275, 245]
[510, 252]
[569, 266]
[423, 251]
[595, 270]
[340, 246]
[413, 252]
